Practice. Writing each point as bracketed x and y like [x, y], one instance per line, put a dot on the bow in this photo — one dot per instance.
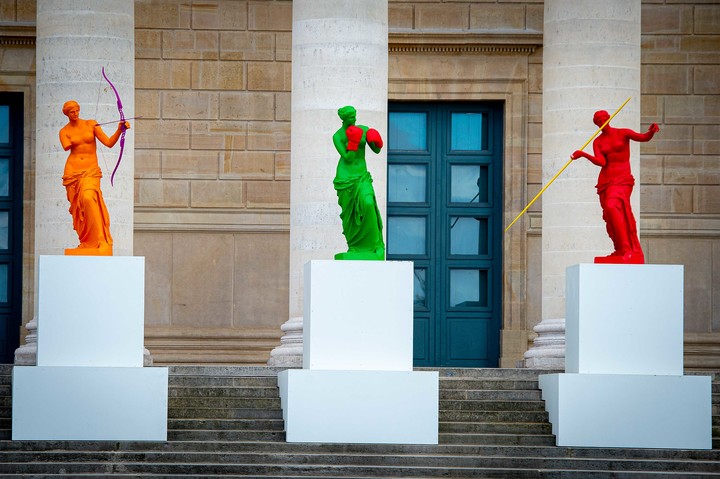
[122, 119]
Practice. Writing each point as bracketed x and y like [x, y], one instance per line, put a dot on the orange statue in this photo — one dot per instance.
[615, 184]
[81, 178]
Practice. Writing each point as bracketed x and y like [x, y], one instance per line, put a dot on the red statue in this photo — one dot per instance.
[615, 184]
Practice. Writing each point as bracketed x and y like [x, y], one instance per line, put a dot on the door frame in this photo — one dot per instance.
[437, 240]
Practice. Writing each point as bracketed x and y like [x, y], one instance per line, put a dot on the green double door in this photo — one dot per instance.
[444, 214]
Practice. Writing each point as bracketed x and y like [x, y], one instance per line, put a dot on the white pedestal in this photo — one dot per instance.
[88, 403]
[361, 315]
[89, 383]
[379, 407]
[358, 385]
[91, 310]
[623, 410]
[624, 319]
[624, 356]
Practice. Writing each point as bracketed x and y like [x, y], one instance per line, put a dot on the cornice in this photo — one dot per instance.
[15, 34]
[501, 42]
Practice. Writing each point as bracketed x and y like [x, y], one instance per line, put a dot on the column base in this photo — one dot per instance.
[290, 352]
[548, 350]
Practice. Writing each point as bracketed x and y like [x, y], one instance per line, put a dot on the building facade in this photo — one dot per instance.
[212, 168]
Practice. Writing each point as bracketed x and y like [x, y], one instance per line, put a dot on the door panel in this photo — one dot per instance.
[444, 187]
[11, 181]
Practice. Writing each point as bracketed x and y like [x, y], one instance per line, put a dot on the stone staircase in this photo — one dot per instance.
[226, 422]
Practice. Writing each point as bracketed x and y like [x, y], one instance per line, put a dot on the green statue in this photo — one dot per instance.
[361, 221]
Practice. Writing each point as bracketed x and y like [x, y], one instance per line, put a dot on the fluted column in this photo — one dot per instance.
[591, 61]
[75, 40]
[339, 57]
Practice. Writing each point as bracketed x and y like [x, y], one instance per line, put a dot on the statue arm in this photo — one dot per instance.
[598, 159]
[110, 141]
[65, 140]
[647, 136]
[341, 147]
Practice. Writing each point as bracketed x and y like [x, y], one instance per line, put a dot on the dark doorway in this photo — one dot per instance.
[444, 214]
[11, 225]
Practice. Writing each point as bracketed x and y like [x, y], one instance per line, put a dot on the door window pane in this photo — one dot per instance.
[4, 281]
[466, 131]
[420, 288]
[407, 183]
[406, 235]
[4, 176]
[4, 229]
[469, 184]
[468, 288]
[4, 124]
[408, 131]
[468, 235]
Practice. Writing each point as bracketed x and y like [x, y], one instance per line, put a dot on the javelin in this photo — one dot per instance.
[566, 165]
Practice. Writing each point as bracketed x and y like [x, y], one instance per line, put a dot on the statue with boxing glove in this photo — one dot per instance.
[361, 220]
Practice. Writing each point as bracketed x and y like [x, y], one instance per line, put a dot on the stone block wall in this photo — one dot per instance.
[212, 176]
[680, 192]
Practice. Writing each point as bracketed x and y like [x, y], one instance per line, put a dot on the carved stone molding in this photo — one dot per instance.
[520, 43]
[17, 35]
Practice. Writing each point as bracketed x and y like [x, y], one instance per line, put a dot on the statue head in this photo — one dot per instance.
[348, 114]
[600, 117]
[68, 105]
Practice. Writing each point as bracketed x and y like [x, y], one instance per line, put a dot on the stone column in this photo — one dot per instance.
[591, 61]
[75, 40]
[339, 57]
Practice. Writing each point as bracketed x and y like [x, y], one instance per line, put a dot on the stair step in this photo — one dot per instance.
[482, 384]
[224, 403]
[465, 405]
[218, 392]
[494, 416]
[463, 427]
[482, 395]
[210, 413]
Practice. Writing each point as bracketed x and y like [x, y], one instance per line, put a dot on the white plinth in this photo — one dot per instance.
[358, 315]
[609, 410]
[380, 407]
[624, 319]
[86, 403]
[91, 311]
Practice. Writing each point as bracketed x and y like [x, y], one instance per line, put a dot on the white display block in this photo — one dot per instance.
[615, 410]
[624, 319]
[87, 403]
[378, 407]
[358, 315]
[91, 311]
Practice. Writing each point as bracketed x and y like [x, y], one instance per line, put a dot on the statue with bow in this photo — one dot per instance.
[82, 174]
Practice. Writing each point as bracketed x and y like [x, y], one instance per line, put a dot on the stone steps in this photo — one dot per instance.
[227, 422]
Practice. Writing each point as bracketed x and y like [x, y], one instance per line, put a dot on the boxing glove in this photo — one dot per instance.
[354, 135]
[373, 137]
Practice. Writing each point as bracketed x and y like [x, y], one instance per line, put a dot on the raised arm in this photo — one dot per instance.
[110, 141]
[647, 136]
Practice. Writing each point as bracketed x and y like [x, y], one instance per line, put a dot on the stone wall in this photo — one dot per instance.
[680, 192]
[212, 176]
